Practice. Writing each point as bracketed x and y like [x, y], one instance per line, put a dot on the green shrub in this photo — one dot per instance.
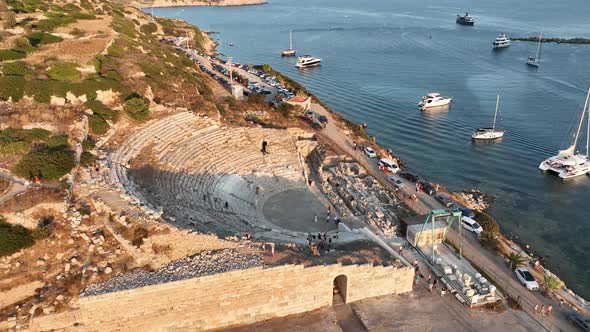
[70, 7]
[97, 124]
[77, 32]
[148, 28]
[14, 147]
[22, 44]
[13, 238]
[137, 108]
[487, 222]
[82, 16]
[51, 24]
[58, 141]
[48, 164]
[123, 26]
[88, 145]
[11, 54]
[42, 38]
[87, 159]
[64, 71]
[12, 87]
[16, 68]
[44, 228]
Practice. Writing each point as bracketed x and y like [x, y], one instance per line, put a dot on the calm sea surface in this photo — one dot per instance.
[380, 57]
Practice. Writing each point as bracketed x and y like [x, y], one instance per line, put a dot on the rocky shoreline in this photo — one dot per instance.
[199, 3]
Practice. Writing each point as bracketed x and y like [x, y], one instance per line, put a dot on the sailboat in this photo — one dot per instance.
[290, 51]
[489, 133]
[568, 164]
[536, 60]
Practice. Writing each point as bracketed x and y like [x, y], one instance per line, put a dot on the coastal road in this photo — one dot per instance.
[493, 264]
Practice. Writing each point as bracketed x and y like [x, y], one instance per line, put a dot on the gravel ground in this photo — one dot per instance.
[202, 264]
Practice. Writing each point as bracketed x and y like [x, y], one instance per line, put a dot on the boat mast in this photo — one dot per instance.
[496, 113]
[538, 57]
[581, 121]
[290, 39]
[588, 130]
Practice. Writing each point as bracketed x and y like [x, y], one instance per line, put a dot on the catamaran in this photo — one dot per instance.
[568, 164]
[536, 60]
[489, 133]
[290, 51]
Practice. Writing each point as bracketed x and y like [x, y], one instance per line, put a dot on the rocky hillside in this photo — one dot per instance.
[180, 3]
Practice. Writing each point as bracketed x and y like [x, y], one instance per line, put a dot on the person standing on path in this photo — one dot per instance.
[315, 219]
[430, 285]
[549, 310]
[542, 311]
[272, 249]
[401, 249]
[536, 309]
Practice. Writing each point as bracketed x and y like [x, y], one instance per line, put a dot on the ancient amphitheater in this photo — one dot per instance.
[216, 179]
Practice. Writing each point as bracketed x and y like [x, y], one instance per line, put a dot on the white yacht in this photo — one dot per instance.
[289, 51]
[568, 164]
[489, 133]
[501, 41]
[307, 61]
[432, 100]
[535, 61]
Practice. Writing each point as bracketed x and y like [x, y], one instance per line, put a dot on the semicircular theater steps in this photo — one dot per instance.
[205, 176]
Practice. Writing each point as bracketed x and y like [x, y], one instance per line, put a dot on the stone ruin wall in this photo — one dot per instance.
[227, 299]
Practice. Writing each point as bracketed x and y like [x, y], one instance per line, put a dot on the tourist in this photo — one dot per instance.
[226, 205]
[542, 311]
[434, 282]
[315, 218]
[264, 144]
[429, 274]
[263, 245]
[401, 249]
[430, 285]
[415, 263]
[536, 309]
[257, 190]
[416, 280]
[443, 291]
[272, 248]
[549, 310]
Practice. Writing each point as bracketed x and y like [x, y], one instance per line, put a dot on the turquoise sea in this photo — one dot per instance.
[380, 57]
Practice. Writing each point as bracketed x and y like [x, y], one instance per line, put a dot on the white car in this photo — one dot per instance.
[370, 152]
[471, 225]
[396, 181]
[526, 278]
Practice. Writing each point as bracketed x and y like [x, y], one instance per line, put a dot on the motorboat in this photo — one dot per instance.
[307, 61]
[465, 19]
[568, 163]
[432, 100]
[489, 133]
[501, 41]
[289, 51]
[535, 61]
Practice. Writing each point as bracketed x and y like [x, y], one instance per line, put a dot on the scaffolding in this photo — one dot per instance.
[449, 216]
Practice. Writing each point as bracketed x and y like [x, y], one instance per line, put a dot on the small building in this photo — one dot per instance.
[301, 101]
[237, 91]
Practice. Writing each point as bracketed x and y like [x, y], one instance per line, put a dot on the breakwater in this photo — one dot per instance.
[554, 40]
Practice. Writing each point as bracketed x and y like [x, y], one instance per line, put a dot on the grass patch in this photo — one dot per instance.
[64, 71]
[16, 69]
[51, 24]
[12, 54]
[42, 38]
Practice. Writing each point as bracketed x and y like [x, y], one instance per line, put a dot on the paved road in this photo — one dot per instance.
[17, 186]
[494, 265]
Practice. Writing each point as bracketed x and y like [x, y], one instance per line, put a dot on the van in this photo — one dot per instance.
[471, 225]
[389, 165]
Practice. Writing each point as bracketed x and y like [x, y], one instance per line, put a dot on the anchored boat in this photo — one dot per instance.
[465, 19]
[501, 41]
[568, 164]
[432, 100]
[307, 61]
[489, 133]
[289, 51]
[535, 61]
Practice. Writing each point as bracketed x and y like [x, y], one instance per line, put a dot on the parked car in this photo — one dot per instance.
[579, 320]
[471, 225]
[396, 181]
[526, 278]
[323, 119]
[370, 152]
[389, 165]
[310, 114]
[467, 212]
[444, 200]
[427, 187]
[409, 176]
[316, 126]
